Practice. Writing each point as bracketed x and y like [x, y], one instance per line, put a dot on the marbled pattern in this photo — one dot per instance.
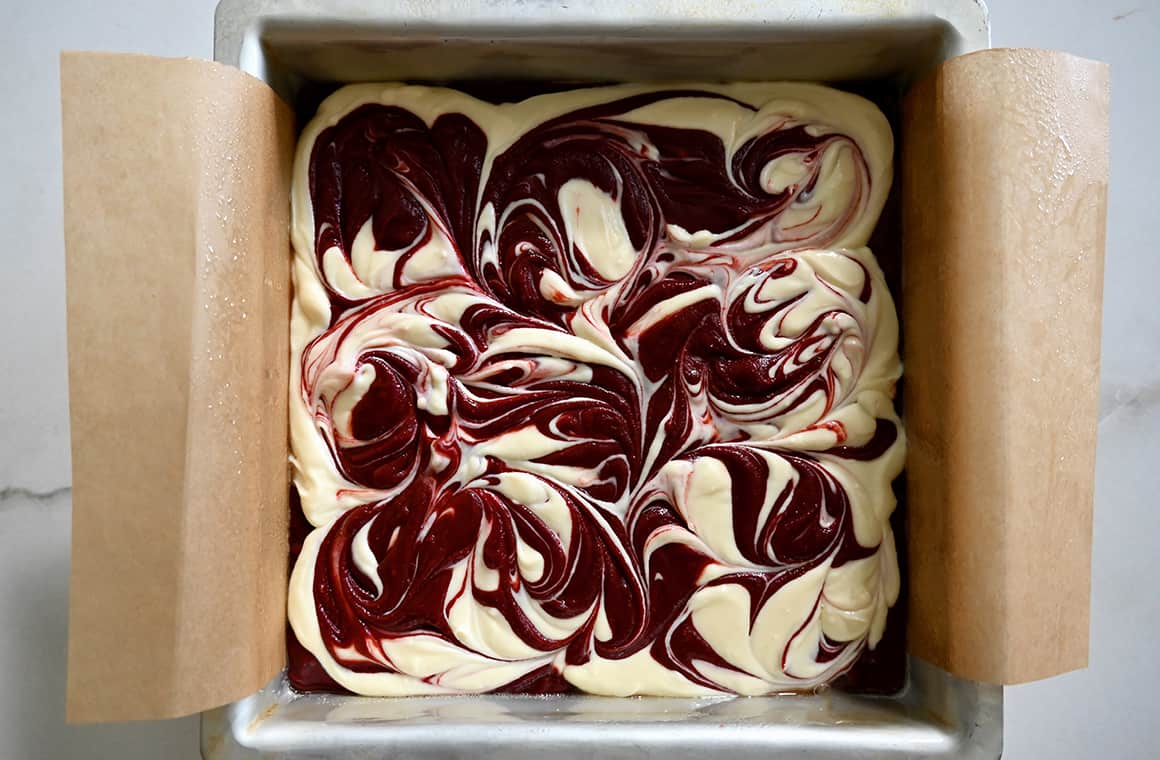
[592, 391]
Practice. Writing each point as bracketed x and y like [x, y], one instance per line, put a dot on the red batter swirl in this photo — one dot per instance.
[546, 463]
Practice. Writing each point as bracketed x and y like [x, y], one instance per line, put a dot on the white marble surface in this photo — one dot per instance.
[1107, 710]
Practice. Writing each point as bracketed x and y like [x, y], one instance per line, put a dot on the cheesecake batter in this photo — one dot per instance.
[592, 391]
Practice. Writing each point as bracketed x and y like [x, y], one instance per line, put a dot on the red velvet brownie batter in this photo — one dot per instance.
[593, 390]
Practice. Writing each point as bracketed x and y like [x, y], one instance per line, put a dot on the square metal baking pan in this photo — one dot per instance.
[303, 49]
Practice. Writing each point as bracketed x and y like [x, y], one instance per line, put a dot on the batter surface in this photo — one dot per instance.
[592, 391]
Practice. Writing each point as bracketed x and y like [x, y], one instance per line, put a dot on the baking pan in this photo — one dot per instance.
[303, 49]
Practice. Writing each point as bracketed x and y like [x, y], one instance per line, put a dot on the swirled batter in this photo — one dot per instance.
[592, 391]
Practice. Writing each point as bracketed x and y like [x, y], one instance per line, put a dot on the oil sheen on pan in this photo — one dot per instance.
[593, 391]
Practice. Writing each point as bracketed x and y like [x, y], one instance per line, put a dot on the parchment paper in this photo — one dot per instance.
[1004, 171]
[176, 217]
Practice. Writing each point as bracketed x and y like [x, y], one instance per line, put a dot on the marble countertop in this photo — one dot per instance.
[1103, 710]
